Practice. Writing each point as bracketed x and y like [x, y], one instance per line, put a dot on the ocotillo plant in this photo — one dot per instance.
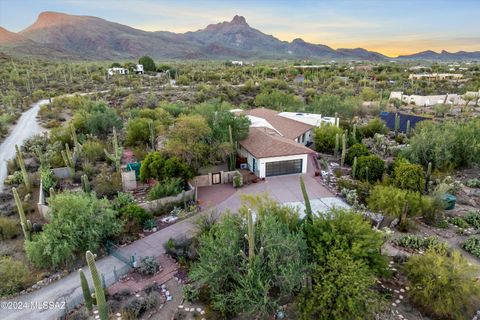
[116, 156]
[427, 176]
[408, 129]
[337, 144]
[397, 124]
[85, 184]
[354, 167]
[26, 224]
[344, 149]
[308, 207]
[97, 284]
[21, 163]
[87, 296]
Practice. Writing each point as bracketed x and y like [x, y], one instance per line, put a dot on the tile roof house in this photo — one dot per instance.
[275, 144]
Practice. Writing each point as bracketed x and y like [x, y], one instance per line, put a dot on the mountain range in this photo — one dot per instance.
[61, 36]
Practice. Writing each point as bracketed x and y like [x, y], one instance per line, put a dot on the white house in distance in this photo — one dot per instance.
[118, 70]
[276, 144]
[426, 101]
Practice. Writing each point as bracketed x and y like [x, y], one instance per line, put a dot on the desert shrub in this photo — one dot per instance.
[277, 100]
[149, 266]
[122, 294]
[48, 178]
[107, 183]
[473, 183]
[473, 219]
[165, 188]
[112, 306]
[8, 228]
[153, 300]
[182, 249]
[134, 212]
[80, 222]
[138, 132]
[373, 127]
[79, 315]
[324, 138]
[156, 166]
[444, 285]
[362, 188]
[472, 245]
[92, 150]
[459, 222]
[399, 203]
[357, 150]
[445, 144]
[136, 306]
[14, 275]
[122, 200]
[370, 168]
[98, 119]
[409, 176]
[190, 293]
[417, 242]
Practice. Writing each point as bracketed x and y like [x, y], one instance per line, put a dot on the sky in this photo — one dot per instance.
[391, 27]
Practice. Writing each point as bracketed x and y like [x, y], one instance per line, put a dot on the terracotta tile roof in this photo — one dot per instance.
[263, 143]
[289, 128]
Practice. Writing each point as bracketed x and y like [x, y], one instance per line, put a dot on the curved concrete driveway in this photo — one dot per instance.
[26, 127]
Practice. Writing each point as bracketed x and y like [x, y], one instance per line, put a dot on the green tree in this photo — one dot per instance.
[148, 63]
[373, 126]
[342, 290]
[189, 140]
[370, 168]
[357, 150]
[399, 203]
[324, 138]
[252, 285]
[445, 285]
[138, 132]
[79, 222]
[409, 176]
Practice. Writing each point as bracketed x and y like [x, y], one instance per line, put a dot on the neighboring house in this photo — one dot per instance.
[389, 118]
[139, 69]
[237, 63]
[312, 119]
[436, 76]
[426, 101]
[269, 154]
[112, 71]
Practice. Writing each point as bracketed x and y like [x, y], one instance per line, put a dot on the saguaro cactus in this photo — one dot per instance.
[21, 163]
[151, 134]
[97, 284]
[67, 156]
[85, 184]
[116, 156]
[397, 123]
[26, 224]
[427, 176]
[408, 128]
[87, 296]
[354, 132]
[308, 207]
[76, 144]
[337, 144]
[344, 149]
[354, 167]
